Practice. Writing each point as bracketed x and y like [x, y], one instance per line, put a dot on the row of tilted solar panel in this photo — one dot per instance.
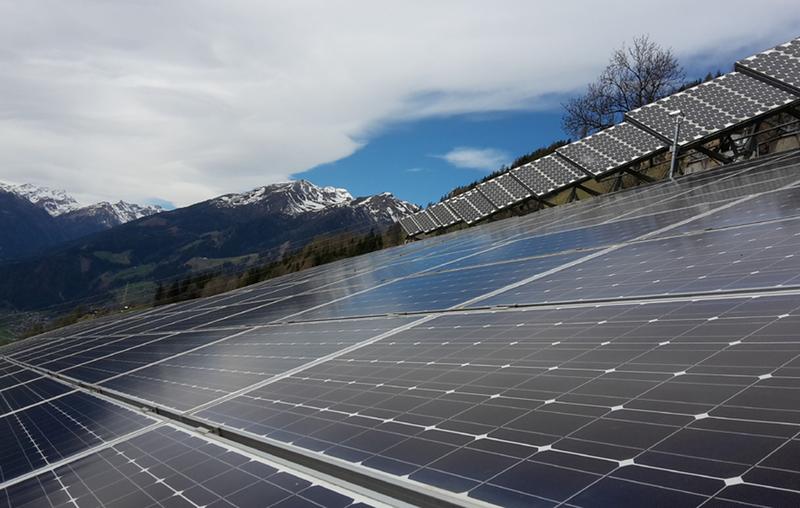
[537, 178]
[762, 84]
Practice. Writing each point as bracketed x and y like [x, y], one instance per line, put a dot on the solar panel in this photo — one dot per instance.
[480, 202]
[170, 467]
[534, 179]
[514, 187]
[409, 226]
[779, 65]
[414, 220]
[465, 209]
[558, 171]
[443, 214]
[584, 238]
[426, 221]
[612, 148]
[435, 291]
[12, 375]
[536, 406]
[729, 259]
[711, 107]
[29, 393]
[35, 436]
[496, 193]
[242, 360]
[123, 356]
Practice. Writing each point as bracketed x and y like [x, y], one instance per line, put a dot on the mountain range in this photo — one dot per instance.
[129, 246]
[34, 218]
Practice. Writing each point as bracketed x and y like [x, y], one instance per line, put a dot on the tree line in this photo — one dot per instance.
[322, 250]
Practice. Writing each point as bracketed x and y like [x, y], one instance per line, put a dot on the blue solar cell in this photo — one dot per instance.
[170, 468]
[54, 430]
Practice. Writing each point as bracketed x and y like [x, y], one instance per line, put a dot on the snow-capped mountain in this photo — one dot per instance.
[114, 214]
[57, 202]
[385, 208]
[290, 198]
[301, 196]
[51, 217]
[54, 201]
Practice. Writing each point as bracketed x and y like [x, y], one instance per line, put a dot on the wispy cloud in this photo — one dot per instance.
[484, 159]
[415, 170]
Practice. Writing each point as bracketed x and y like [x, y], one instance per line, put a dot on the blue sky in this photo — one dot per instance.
[408, 159]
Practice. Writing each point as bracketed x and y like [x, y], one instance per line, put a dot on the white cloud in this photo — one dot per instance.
[187, 99]
[485, 159]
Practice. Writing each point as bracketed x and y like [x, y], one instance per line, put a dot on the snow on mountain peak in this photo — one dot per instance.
[57, 202]
[290, 198]
[54, 201]
[120, 212]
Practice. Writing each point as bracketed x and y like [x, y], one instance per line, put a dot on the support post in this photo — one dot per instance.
[678, 117]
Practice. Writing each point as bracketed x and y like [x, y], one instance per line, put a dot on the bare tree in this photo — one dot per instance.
[636, 75]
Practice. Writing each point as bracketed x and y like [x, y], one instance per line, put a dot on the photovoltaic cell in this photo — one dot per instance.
[781, 64]
[496, 193]
[580, 238]
[465, 209]
[136, 355]
[547, 406]
[409, 226]
[479, 201]
[30, 393]
[13, 375]
[244, 360]
[436, 291]
[443, 214]
[756, 256]
[558, 171]
[426, 221]
[518, 191]
[167, 467]
[711, 107]
[45, 433]
[612, 148]
[534, 179]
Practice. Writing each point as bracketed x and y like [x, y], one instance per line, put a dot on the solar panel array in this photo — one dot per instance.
[533, 178]
[426, 220]
[466, 209]
[410, 225]
[763, 84]
[497, 194]
[612, 148]
[779, 65]
[711, 107]
[480, 202]
[639, 346]
[514, 186]
[635, 349]
[443, 214]
[168, 466]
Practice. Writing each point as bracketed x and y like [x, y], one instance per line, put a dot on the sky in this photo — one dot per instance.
[176, 102]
